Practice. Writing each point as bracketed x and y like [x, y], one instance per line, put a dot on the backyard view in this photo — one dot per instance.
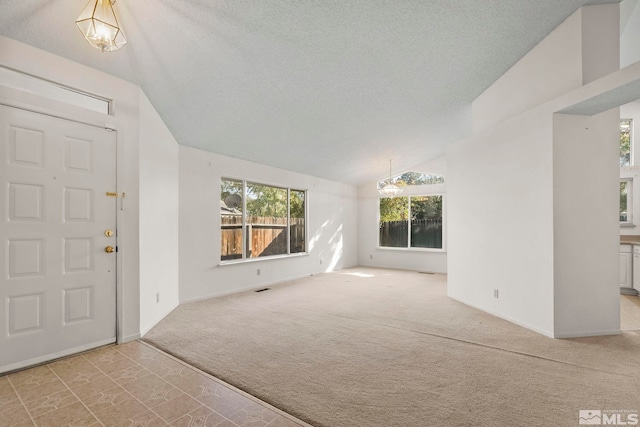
[274, 224]
[414, 222]
[411, 222]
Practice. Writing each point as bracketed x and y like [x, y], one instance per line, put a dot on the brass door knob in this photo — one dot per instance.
[109, 249]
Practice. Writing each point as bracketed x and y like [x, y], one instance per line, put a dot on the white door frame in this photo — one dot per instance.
[22, 100]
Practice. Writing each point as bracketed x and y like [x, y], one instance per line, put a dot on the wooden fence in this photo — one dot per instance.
[425, 233]
[265, 236]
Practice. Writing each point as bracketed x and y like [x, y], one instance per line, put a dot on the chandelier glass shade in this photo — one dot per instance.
[100, 26]
[390, 189]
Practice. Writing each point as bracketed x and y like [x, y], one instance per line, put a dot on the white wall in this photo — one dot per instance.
[520, 197]
[159, 217]
[578, 51]
[585, 223]
[500, 221]
[332, 228]
[371, 255]
[600, 41]
[629, 32]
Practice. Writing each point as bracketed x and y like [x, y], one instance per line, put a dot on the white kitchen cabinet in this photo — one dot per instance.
[626, 266]
[636, 267]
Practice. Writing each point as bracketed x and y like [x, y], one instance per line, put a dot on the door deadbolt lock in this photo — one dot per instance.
[108, 233]
[109, 249]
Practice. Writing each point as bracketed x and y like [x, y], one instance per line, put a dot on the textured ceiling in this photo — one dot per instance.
[331, 88]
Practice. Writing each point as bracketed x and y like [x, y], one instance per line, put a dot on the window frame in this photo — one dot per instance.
[288, 254]
[58, 92]
[396, 180]
[419, 193]
[631, 144]
[629, 221]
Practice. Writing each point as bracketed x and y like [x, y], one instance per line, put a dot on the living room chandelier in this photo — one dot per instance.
[100, 26]
[390, 190]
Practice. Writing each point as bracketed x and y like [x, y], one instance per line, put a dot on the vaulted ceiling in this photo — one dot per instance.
[331, 88]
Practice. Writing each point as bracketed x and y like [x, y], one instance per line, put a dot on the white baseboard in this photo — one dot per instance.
[588, 334]
[48, 357]
[579, 334]
[129, 338]
[245, 289]
[146, 329]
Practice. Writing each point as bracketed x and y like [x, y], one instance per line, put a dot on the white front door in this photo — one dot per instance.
[57, 284]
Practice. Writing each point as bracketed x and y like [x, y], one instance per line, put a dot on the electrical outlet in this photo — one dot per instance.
[157, 297]
[370, 256]
[320, 261]
[496, 293]
[259, 272]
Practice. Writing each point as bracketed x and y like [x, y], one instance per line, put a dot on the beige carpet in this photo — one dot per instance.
[372, 347]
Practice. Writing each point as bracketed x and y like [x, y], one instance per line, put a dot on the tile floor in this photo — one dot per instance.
[128, 385]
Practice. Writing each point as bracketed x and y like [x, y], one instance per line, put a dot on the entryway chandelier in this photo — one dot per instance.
[390, 189]
[100, 26]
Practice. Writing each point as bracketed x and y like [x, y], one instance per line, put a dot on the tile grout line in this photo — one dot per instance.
[76, 396]
[127, 391]
[158, 376]
[274, 420]
[21, 401]
[229, 386]
[184, 392]
[197, 371]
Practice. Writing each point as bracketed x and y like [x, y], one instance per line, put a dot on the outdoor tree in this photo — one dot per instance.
[266, 201]
[394, 209]
[426, 207]
[623, 201]
[296, 207]
[422, 207]
[625, 142]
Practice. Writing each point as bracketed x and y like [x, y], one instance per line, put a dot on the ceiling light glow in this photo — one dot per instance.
[99, 25]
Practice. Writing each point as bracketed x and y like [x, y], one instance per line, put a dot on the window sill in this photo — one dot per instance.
[627, 225]
[266, 258]
[433, 250]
